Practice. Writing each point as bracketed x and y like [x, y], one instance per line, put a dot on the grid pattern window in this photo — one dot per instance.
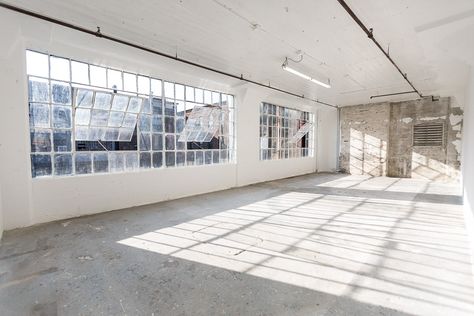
[285, 133]
[87, 119]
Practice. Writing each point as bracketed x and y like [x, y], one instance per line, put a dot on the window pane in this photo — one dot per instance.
[143, 85]
[99, 117]
[82, 116]
[208, 157]
[116, 119]
[145, 142]
[125, 134]
[114, 79]
[190, 158]
[83, 163]
[170, 159]
[39, 115]
[170, 108]
[120, 102]
[157, 159]
[62, 141]
[157, 106]
[169, 142]
[189, 94]
[157, 142]
[145, 160]
[157, 123]
[216, 98]
[179, 91]
[169, 124]
[180, 158]
[62, 164]
[199, 157]
[62, 116]
[199, 95]
[61, 93]
[38, 90]
[59, 68]
[80, 72]
[156, 87]
[102, 100]
[135, 105]
[207, 97]
[37, 64]
[145, 123]
[40, 141]
[116, 162]
[101, 162]
[98, 76]
[131, 161]
[180, 108]
[169, 90]
[41, 165]
[84, 98]
[129, 82]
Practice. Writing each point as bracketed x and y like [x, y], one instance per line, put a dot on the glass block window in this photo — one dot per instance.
[87, 119]
[285, 133]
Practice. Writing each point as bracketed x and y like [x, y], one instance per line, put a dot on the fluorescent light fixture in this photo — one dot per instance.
[296, 72]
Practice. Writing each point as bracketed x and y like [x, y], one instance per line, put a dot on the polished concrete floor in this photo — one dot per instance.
[320, 244]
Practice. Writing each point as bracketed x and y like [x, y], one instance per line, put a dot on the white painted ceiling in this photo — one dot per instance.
[431, 40]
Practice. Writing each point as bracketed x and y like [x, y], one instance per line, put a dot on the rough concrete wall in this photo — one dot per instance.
[393, 123]
[364, 136]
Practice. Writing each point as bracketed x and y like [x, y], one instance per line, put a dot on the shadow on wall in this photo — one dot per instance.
[367, 154]
[423, 167]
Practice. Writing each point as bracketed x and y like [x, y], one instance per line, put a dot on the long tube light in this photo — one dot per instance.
[296, 72]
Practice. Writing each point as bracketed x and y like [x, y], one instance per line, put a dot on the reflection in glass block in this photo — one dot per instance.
[99, 117]
[81, 133]
[157, 159]
[131, 161]
[62, 164]
[120, 102]
[80, 72]
[101, 162]
[111, 134]
[114, 79]
[102, 100]
[157, 141]
[157, 123]
[145, 160]
[169, 142]
[169, 124]
[116, 119]
[62, 140]
[83, 116]
[156, 87]
[145, 142]
[143, 85]
[208, 157]
[170, 158]
[116, 162]
[98, 76]
[129, 82]
[96, 133]
[144, 123]
[130, 120]
[40, 165]
[37, 64]
[84, 98]
[61, 93]
[125, 134]
[135, 105]
[62, 116]
[83, 163]
[180, 158]
[38, 90]
[199, 157]
[190, 158]
[59, 68]
[39, 115]
[40, 141]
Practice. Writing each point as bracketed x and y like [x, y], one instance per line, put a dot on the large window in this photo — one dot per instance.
[285, 132]
[88, 119]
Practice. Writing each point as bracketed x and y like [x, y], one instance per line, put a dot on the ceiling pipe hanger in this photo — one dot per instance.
[98, 33]
[370, 34]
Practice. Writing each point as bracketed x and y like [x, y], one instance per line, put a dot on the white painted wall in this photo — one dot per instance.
[468, 158]
[28, 201]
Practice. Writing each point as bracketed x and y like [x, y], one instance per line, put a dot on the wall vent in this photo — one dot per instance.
[428, 134]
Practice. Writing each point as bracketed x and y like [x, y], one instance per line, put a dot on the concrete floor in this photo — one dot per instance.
[312, 245]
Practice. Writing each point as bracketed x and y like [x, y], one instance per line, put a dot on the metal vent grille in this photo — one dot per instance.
[428, 134]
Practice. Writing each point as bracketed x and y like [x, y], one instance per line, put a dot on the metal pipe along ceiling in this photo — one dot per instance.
[99, 34]
[370, 34]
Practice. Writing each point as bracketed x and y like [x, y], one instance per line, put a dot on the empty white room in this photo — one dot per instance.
[236, 157]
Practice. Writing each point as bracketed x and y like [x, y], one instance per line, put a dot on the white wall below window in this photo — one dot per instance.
[26, 201]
